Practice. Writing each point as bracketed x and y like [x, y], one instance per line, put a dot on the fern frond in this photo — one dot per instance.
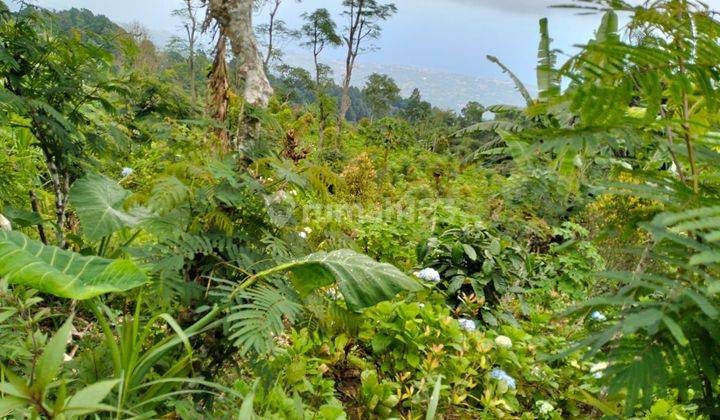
[323, 180]
[333, 318]
[168, 193]
[642, 376]
[255, 323]
[220, 220]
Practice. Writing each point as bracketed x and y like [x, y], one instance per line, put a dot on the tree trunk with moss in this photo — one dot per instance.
[219, 88]
[235, 19]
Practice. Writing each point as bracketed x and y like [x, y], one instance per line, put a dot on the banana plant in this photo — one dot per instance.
[548, 78]
[510, 119]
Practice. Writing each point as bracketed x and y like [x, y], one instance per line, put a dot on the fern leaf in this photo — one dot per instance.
[260, 318]
[168, 193]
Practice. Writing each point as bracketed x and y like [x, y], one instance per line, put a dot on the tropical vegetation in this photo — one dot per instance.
[219, 234]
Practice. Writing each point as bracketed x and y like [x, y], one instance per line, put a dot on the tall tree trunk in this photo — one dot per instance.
[271, 29]
[349, 64]
[191, 27]
[235, 17]
[191, 65]
[219, 87]
[36, 208]
[352, 41]
[60, 181]
[345, 102]
[321, 104]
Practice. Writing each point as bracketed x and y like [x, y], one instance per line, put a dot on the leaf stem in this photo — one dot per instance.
[252, 279]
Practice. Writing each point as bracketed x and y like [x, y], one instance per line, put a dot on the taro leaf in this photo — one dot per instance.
[21, 217]
[363, 281]
[98, 201]
[63, 273]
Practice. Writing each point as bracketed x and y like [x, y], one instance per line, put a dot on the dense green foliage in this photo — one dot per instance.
[555, 261]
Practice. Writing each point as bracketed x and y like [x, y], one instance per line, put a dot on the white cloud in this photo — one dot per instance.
[537, 6]
[516, 6]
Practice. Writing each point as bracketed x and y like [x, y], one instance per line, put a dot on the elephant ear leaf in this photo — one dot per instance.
[98, 201]
[362, 281]
[63, 273]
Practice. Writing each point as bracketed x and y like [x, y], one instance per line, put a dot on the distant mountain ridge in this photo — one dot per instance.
[443, 89]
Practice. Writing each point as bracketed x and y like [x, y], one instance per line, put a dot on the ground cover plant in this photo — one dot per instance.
[202, 234]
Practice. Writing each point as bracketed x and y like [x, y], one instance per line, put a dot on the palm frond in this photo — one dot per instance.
[518, 83]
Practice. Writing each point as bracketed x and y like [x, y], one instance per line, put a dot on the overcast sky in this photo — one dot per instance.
[450, 35]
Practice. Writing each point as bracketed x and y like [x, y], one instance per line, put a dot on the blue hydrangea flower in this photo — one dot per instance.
[598, 316]
[428, 274]
[333, 293]
[126, 172]
[598, 368]
[467, 324]
[501, 375]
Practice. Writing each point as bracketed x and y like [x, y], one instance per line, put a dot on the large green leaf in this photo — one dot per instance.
[63, 273]
[362, 280]
[98, 201]
[50, 361]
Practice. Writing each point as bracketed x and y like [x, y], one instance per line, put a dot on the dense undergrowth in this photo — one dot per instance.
[557, 261]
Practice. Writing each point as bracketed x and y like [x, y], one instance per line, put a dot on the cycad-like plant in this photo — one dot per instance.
[664, 330]
[654, 94]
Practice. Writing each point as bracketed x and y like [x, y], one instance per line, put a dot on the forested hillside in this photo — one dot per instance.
[193, 233]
